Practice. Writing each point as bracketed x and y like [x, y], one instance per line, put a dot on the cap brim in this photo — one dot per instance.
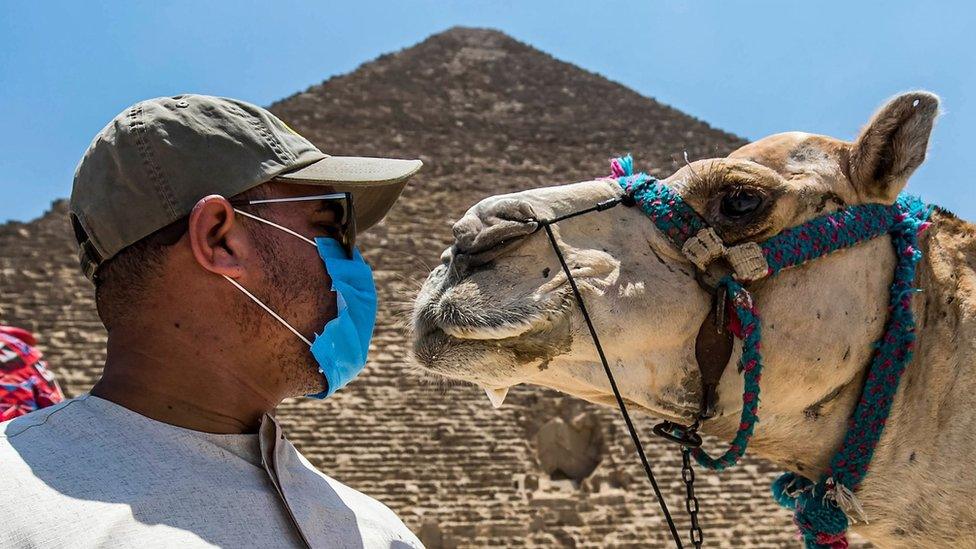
[355, 169]
[375, 183]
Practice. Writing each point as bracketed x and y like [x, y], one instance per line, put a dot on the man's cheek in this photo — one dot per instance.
[326, 299]
[329, 306]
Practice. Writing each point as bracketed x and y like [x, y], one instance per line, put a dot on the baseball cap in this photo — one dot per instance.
[151, 164]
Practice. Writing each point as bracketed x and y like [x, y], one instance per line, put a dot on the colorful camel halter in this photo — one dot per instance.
[822, 509]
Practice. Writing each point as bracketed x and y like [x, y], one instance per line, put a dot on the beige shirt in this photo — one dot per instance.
[90, 473]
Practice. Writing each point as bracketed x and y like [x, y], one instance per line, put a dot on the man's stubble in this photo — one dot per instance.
[295, 286]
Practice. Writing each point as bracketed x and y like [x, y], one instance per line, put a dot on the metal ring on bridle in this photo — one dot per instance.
[680, 434]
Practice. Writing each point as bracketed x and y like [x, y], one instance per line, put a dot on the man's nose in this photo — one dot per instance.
[489, 229]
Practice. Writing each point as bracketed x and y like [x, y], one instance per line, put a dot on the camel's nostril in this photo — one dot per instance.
[500, 233]
[487, 246]
[466, 232]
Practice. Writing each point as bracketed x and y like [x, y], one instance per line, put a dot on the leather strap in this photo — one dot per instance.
[713, 349]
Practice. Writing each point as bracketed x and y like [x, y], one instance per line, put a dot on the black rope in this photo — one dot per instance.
[605, 205]
[606, 365]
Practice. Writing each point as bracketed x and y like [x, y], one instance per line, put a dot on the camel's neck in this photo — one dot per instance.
[920, 478]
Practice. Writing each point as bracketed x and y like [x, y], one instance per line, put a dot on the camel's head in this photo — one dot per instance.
[499, 312]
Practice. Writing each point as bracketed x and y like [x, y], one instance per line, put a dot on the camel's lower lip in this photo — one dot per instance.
[505, 331]
[490, 361]
[551, 311]
[501, 363]
[440, 337]
[484, 362]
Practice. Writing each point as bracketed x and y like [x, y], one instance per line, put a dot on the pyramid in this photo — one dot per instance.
[487, 114]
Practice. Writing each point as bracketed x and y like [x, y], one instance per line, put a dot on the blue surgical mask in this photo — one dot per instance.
[342, 347]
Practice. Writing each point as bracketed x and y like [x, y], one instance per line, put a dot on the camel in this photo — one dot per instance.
[498, 312]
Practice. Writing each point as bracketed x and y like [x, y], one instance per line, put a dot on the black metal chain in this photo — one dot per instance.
[691, 502]
[688, 438]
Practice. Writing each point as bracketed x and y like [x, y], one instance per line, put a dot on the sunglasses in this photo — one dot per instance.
[339, 204]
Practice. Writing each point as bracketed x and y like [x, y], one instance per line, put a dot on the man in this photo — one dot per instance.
[222, 248]
[25, 382]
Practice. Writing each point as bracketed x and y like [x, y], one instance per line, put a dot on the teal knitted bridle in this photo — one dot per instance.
[822, 509]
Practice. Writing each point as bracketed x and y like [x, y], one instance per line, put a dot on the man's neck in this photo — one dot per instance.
[168, 384]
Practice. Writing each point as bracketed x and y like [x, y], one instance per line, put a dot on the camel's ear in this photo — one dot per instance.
[892, 145]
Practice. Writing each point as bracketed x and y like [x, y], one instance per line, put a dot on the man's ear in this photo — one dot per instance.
[892, 145]
[216, 237]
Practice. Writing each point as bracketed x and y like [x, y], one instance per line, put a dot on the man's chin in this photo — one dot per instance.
[313, 382]
[316, 392]
[302, 378]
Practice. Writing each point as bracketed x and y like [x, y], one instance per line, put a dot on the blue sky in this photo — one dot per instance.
[750, 67]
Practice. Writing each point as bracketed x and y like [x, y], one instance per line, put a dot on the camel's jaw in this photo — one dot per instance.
[460, 334]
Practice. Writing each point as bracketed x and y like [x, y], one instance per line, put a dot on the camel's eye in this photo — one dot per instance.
[740, 202]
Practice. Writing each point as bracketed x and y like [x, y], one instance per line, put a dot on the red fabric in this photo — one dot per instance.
[25, 382]
[20, 334]
[734, 324]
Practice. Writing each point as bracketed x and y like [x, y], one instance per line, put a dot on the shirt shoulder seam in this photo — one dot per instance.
[46, 418]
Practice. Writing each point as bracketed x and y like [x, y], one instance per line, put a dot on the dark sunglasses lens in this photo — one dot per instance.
[338, 209]
[348, 243]
[345, 218]
[350, 225]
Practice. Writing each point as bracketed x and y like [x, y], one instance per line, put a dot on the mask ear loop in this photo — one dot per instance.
[255, 299]
[268, 309]
[275, 225]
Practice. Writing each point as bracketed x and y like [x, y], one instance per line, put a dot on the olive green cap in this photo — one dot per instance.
[151, 164]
